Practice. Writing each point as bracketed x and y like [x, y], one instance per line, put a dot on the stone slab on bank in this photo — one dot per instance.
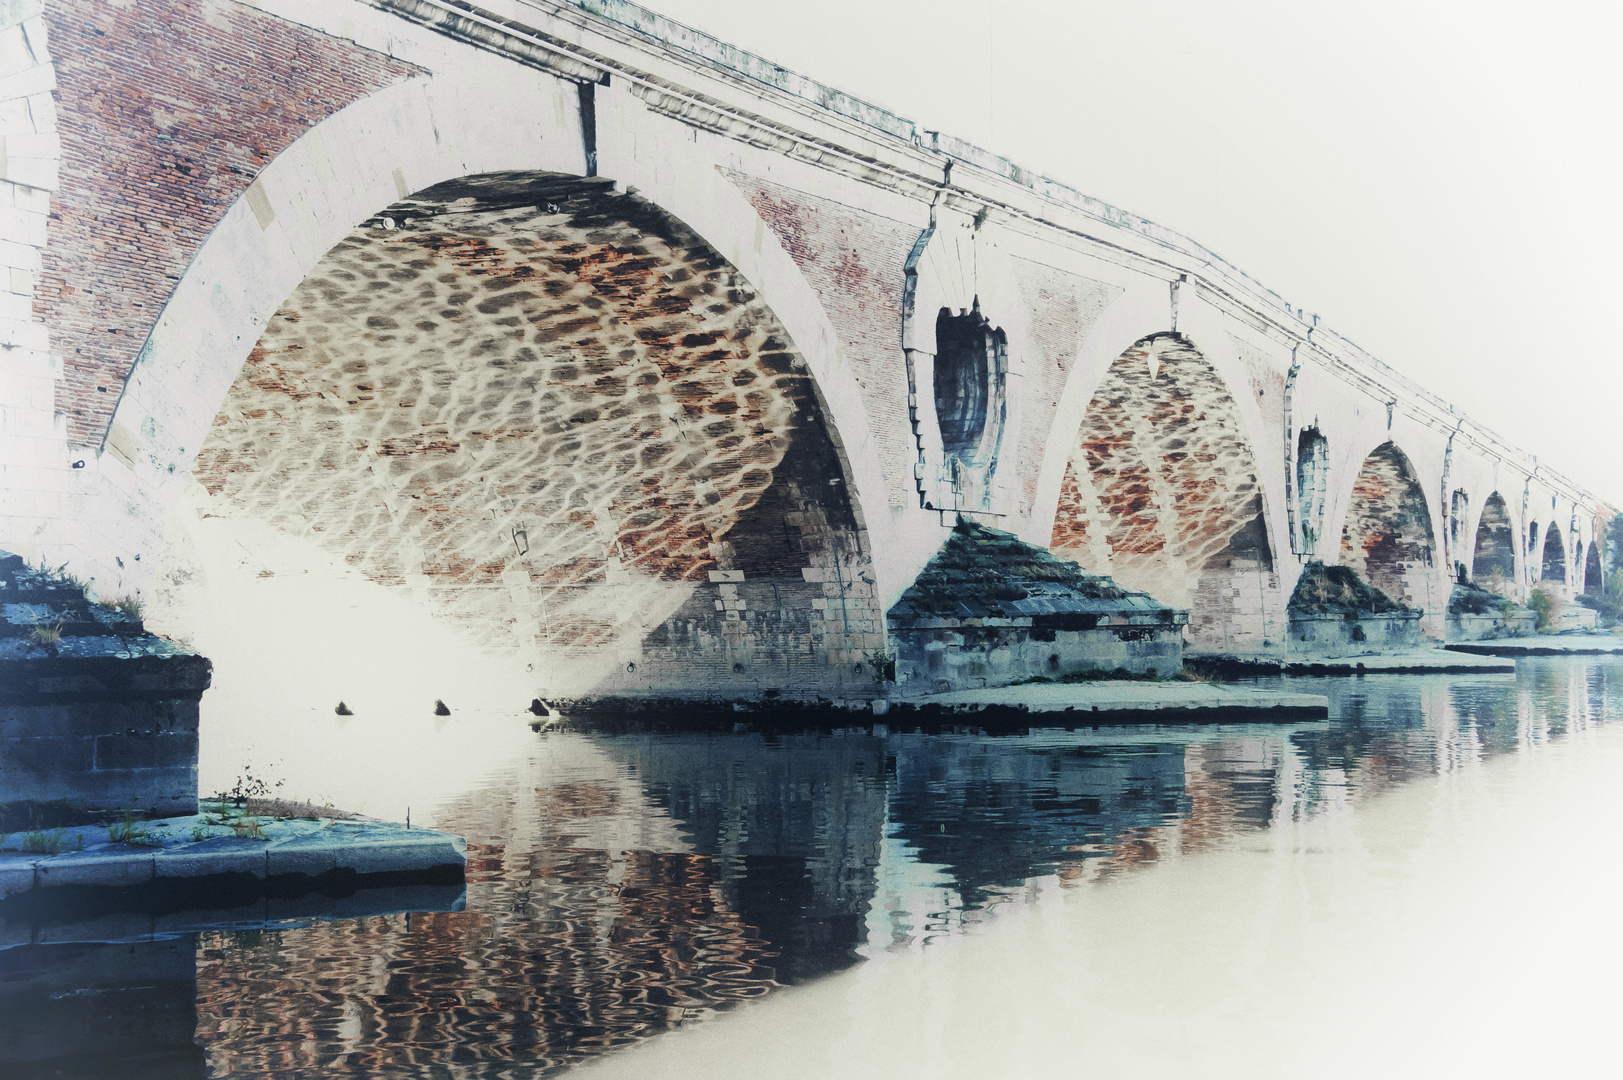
[1432, 661]
[1119, 703]
[175, 850]
[1544, 645]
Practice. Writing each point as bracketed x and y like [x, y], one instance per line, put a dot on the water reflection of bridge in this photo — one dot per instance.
[623, 884]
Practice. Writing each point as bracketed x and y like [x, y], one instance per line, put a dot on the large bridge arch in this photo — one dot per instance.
[273, 243]
[1164, 491]
[1389, 533]
[402, 139]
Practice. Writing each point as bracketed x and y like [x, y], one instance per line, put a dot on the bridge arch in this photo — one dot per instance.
[1162, 491]
[407, 138]
[1553, 557]
[1593, 585]
[1387, 535]
[693, 363]
[1493, 561]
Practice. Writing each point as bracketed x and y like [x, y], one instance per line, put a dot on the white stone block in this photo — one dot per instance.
[34, 80]
[43, 111]
[34, 200]
[47, 146]
[21, 227]
[35, 172]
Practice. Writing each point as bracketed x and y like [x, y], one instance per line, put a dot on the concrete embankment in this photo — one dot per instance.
[1424, 661]
[1544, 645]
[179, 864]
[1110, 702]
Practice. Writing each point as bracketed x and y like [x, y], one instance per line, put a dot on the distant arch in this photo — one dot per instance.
[1386, 536]
[1555, 556]
[1593, 583]
[1493, 565]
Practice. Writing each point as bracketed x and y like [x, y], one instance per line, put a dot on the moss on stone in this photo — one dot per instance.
[987, 573]
[1338, 590]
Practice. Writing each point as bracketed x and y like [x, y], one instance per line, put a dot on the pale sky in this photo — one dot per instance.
[1439, 180]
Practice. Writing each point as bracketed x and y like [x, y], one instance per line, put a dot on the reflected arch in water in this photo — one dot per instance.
[1387, 536]
[1161, 492]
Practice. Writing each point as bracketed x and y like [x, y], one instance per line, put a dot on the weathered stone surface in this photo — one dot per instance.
[97, 720]
[990, 609]
[1335, 613]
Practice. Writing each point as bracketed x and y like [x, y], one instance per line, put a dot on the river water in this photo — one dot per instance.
[1425, 885]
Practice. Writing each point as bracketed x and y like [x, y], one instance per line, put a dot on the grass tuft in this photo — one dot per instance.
[46, 636]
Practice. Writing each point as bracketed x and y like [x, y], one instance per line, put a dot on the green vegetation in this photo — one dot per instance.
[128, 831]
[46, 637]
[1546, 605]
[883, 665]
[40, 842]
[249, 790]
[129, 606]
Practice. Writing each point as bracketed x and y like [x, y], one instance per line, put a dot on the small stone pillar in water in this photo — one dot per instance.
[97, 716]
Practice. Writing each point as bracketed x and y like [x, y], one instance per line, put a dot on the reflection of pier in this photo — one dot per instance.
[835, 845]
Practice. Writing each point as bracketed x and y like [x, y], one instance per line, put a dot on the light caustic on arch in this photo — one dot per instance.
[1387, 535]
[579, 392]
[1161, 493]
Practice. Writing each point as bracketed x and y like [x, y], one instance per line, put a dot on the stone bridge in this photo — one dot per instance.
[649, 366]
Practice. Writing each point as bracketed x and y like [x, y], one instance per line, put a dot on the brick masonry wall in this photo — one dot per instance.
[1060, 310]
[853, 260]
[160, 134]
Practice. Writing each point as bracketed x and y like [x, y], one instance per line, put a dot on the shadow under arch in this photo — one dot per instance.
[1493, 561]
[1387, 535]
[1162, 493]
[1553, 565]
[564, 424]
[1593, 583]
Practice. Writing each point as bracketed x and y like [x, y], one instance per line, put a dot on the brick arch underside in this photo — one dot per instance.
[1161, 493]
[1387, 535]
[1493, 564]
[562, 427]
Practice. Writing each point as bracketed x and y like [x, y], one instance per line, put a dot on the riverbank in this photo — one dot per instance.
[207, 860]
[1544, 645]
[1112, 703]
